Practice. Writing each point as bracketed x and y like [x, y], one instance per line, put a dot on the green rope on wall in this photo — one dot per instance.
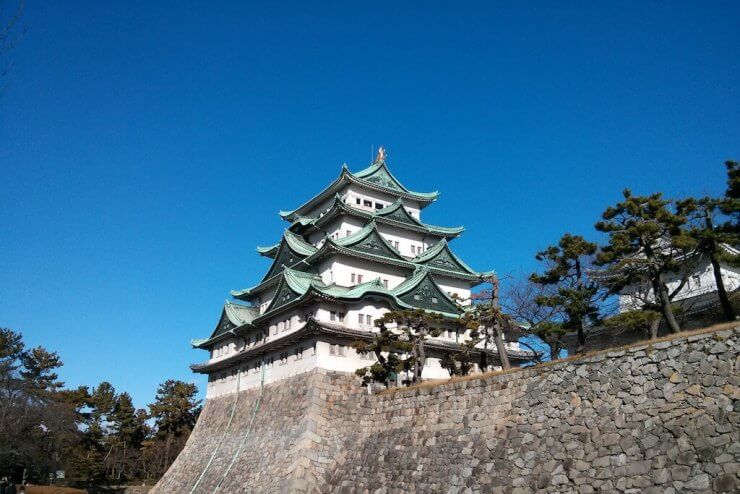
[247, 433]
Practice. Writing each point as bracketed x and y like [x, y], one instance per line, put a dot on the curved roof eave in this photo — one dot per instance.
[346, 175]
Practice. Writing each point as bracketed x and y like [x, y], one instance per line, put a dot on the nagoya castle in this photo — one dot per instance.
[352, 252]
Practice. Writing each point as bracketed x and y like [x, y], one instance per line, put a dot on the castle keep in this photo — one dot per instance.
[354, 251]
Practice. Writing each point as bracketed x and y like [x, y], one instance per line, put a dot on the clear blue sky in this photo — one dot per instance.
[145, 150]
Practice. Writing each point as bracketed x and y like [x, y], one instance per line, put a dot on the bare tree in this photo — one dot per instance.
[520, 300]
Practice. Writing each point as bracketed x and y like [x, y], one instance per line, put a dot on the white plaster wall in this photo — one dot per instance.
[406, 239]
[279, 325]
[350, 362]
[453, 285]
[342, 267]
[700, 282]
[248, 374]
[374, 310]
[223, 349]
[354, 191]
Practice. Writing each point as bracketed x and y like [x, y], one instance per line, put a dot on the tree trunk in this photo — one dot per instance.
[422, 356]
[724, 299]
[497, 332]
[415, 354]
[581, 333]
[501, 347]
[555, 348]
[661, 294]
[654, 328]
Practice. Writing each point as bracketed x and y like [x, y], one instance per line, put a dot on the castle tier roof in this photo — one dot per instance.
[376, 177]
[233, 316]
[314, 328]
[394, 214]
[419, 291]
[366, 243]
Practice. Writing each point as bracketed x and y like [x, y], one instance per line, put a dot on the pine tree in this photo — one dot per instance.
[486, 323]
[387, 347]
[710, 230]
[175, 411]
[414, 327]
[574, 293]
[646, 243]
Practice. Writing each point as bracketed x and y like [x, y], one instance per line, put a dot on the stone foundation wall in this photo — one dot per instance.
[658, 418]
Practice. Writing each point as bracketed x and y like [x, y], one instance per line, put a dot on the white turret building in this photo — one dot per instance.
[352, 252]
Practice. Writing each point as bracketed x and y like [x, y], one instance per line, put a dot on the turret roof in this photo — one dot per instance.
[366, 243]
[394, 214]
[419, 291]
[376, 177]
[232, 316]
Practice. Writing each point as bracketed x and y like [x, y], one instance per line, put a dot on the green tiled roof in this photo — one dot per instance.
[295, 242]
[419, 291]
[376, 177]
[292, 250]
[366, 243]
[422, 291]
[232, 316]
[378, 173]
[441, 257]
[268, 251]
[394, 214]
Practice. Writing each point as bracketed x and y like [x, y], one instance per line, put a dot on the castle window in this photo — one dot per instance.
[332, 316]
[352, 277]
[287, 324]
[385, 283]
[342, 316]
[379, 205]
[369, 320]
[280, 326]
[357, 200]
[359, 278]
[697, 280]
[413, 249]
[337, 350]
[397, 245]
[349, 232]
[367, 203]
[299, 353]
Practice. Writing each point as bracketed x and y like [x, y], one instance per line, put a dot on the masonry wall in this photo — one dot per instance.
[660, 418]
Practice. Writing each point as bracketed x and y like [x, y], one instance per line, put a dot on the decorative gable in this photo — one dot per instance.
[444, 260]
[285, 257]
[374, 244]
[427, 295]
[401, 215]
[283, 296]
[223, 326]
[384, 179]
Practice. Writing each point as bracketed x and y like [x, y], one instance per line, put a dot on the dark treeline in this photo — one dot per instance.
[95, 435]
[647, 242]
